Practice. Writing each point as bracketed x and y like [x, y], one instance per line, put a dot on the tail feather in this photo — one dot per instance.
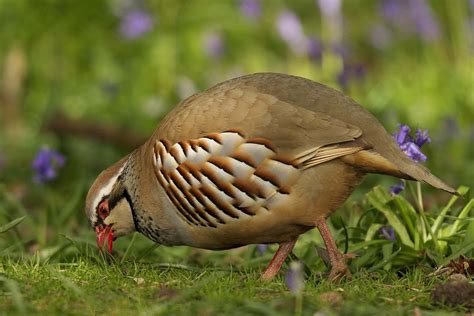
[372, 162]
[421, 173]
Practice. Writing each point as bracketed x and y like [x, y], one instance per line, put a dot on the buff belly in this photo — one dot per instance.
[329, 185]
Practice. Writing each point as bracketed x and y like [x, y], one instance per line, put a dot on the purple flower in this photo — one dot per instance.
[290, 30]
[46, 164]
[401, 136]
[356, 71]
[413, 151]
[422, 137]
[410, 146]
[294, 278]
[315, 49]
[397, 188]
[262, 248]
[214, 44]
[388, 233]
[330, 8]
[412, 16]
[289, 26]
[393, 10]
[425, 22]
[135, 23]
[251, 9]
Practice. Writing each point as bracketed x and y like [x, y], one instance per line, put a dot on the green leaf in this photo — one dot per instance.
[12, 224]
[385, 261]
[364, 244]
[387, 251]
[376, 199]
[469, 239]
[408, 214]
[463, 214]
[439, 220]
[373, 229]
[368, 258]
[461, 251]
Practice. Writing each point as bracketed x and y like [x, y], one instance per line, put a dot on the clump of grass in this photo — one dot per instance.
[391, 233]
[391, 270]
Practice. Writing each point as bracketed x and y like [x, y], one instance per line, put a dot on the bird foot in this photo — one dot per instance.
[339, 269]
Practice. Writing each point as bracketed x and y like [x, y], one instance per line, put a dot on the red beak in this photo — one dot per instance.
[104, 233]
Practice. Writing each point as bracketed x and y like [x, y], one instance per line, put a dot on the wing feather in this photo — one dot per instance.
[222, 176]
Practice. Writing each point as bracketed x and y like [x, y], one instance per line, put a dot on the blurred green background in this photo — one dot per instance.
[91, 79]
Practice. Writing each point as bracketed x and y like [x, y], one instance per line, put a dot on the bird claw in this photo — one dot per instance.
[340, 272]
[339, 269]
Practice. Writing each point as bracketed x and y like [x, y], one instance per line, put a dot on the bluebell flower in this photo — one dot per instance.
[413, 151]
[349, 72]
[330, 8]
[290, 29]
[135, 23]
[315, 49]
[425, 21]
[393, 10]
[388, 233]
[46, 164]
[402, 134]
[421, 137]
[262, 248]
[397, 188]
[411, 146]
[412, 16]
[251, 9]
[214, 44]
[294, 278]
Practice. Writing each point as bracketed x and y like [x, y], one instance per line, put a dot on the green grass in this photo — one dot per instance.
[96, 287]
[48, 269]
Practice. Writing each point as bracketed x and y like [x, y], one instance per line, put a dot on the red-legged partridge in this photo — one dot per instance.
[258, 159]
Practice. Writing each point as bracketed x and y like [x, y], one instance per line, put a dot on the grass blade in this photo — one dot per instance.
[11, 224]
[14, 289]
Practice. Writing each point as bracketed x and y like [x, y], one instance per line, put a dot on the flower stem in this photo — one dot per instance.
[424, 218]
[299, 303]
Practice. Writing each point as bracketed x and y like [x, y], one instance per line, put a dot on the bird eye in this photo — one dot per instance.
[103, 209]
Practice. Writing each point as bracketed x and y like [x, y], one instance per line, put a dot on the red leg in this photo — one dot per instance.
[278, 259]
[336, 258]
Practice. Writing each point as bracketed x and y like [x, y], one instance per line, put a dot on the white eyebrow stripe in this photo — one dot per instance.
[104, 191]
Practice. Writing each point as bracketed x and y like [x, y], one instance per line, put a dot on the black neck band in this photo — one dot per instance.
[127, 197]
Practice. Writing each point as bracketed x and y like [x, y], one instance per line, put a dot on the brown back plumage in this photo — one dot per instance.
[296, 102]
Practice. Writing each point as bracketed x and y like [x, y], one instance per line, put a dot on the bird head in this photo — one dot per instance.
[108, 206]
